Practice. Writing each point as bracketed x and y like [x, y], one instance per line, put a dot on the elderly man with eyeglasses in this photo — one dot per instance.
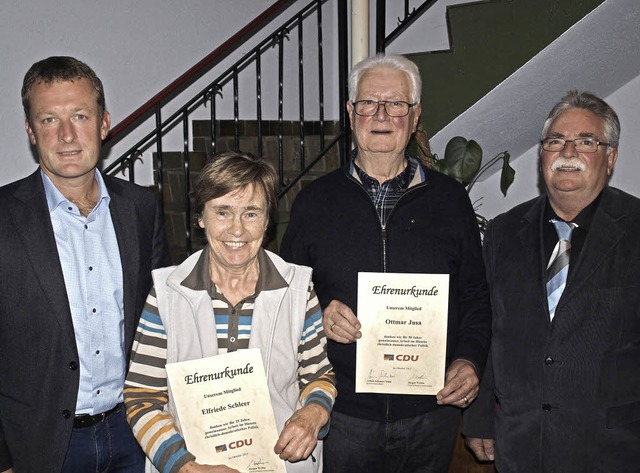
[386, 213]
[561, 392]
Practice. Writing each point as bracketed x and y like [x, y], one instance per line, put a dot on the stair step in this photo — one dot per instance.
[490, 40]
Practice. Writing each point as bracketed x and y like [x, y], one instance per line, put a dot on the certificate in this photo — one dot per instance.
[404, 333]
[225, 411]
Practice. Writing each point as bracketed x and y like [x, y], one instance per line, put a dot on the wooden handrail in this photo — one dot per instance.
[200, 68]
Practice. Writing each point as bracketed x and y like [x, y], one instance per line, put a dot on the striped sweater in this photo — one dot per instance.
[146, 391]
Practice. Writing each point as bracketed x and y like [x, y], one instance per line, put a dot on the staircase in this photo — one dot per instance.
[492, 86]
[173, 165]
[489, 41]
[598, 53]
[287, 125]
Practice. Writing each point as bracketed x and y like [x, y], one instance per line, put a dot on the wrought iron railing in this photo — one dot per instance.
[411, 10]
[311, 60]
[290, 32]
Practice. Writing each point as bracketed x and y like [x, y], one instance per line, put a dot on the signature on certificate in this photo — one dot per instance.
[257, 465]
[375, 375]
[421, 376]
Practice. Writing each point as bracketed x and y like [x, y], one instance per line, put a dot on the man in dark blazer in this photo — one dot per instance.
[76, 254]
[562, 389]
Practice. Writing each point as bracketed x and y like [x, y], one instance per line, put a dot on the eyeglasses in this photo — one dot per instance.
[582, 145]
[394, 108]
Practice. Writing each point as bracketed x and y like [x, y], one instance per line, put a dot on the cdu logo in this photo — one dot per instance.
[401, 357]
[240, 443]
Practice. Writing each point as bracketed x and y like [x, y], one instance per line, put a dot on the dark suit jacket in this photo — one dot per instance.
[39, 372]
[567, 391]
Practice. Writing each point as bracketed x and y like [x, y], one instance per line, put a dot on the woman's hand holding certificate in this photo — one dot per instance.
[300, 434]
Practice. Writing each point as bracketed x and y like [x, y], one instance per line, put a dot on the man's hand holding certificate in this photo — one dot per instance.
[404, 333]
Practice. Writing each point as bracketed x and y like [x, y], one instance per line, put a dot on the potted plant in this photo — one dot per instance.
[463, 161]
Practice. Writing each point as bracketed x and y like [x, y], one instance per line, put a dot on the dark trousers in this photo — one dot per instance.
[421, 444]
[105, 447]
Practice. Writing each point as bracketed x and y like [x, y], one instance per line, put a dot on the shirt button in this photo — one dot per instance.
[90, 268]
[548, 361]
[546, 407]
[73, 365]
[94, 310]
[97, 352]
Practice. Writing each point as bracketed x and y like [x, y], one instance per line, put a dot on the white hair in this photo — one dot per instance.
[395, 62]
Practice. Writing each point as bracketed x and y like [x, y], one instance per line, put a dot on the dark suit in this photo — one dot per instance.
[39, 365]
[567, 391]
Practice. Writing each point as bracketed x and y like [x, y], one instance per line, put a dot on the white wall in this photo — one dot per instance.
[428, 33]
[137, 47]
[626, 102]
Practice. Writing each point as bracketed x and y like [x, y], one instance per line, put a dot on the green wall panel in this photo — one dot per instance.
[490, 41]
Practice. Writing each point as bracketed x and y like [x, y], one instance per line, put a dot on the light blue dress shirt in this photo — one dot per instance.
[90, 260]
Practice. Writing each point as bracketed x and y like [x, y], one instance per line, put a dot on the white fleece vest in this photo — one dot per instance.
[276, 329]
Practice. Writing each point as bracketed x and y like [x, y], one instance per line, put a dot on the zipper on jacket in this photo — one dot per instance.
[383, 237]
[383, 226]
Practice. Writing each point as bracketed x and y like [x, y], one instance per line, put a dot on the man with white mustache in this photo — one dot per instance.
[561, 390]
[567, 164]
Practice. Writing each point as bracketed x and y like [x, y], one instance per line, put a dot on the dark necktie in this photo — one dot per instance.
[558, 266]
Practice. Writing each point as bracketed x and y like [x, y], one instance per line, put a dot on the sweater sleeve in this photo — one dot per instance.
[315, 373]
[146, 394]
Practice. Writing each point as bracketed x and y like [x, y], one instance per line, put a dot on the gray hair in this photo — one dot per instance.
[597, 106]
[390, 61]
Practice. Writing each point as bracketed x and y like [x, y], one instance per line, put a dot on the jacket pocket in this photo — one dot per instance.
[625, 414]
[14, 411]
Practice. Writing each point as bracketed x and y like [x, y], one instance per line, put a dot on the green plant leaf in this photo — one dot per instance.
[507, 175]
[462, 159]
[441, 167]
